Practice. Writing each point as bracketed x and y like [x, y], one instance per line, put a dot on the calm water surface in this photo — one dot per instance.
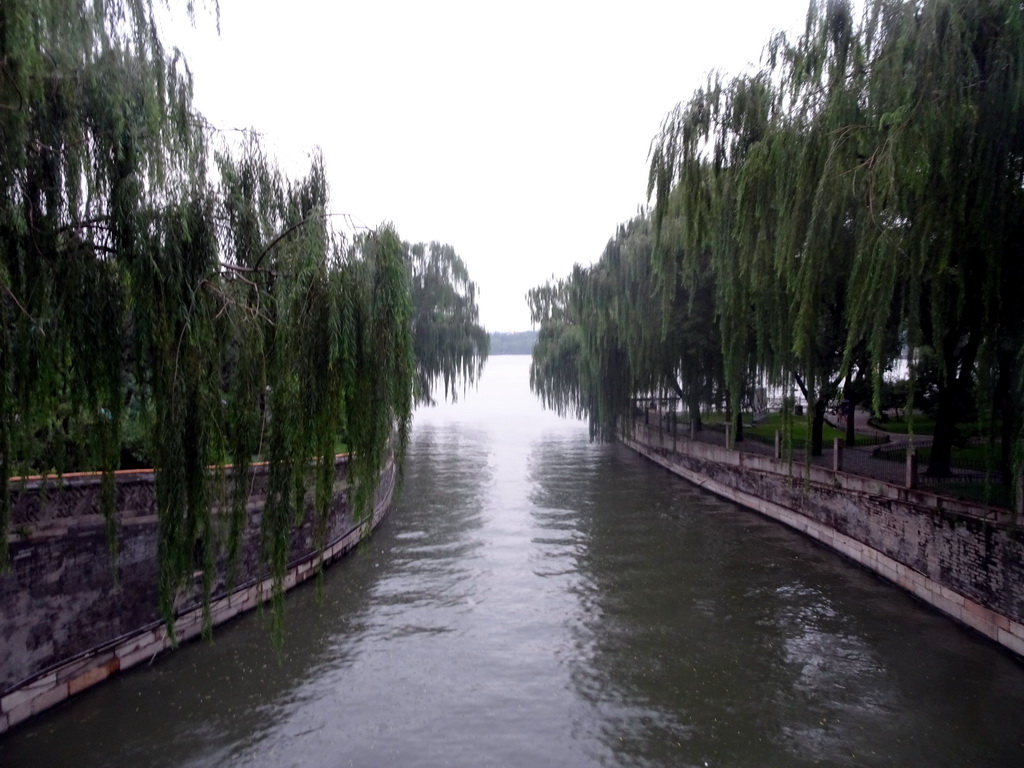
[536, 600]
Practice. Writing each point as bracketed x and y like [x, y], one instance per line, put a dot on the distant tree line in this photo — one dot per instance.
[855, 204]
[519, 343]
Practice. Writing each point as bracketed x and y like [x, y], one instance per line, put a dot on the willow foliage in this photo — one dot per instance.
[100, 159]
[859, 197]
[603, 340]
[216, 312]
[450, 344]
[863, 187]
[555, 365]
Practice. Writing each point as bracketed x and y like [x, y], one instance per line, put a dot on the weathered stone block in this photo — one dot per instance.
[87, 679]
[13, 701]
[55, 695]
[1012, 641]
[974, 621]
[19, 714]
[144, 653]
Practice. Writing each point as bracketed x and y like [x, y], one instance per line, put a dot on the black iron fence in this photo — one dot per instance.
[970, 476]
[876, 456]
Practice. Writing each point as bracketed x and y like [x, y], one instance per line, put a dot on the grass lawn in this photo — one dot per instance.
[922, 425]
[765, 430]
[969, 457]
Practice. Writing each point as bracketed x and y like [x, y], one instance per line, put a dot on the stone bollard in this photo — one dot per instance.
[911, 478]
[728, 436]
[837, 454]
[778, 444]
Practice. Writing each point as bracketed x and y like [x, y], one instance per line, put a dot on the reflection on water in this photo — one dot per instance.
[535, 599]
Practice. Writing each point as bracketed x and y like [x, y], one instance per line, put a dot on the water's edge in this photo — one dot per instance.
[536, 598]
[878, 549]
[85, 669]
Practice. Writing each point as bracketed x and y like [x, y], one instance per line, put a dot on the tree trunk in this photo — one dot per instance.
[959, 366]
[692, 400]
[1007, 432]
[945, 433]
[818, 426]
[739, 426]
[695, 417]
[1009, 415]
[851, 433]
[947, 414]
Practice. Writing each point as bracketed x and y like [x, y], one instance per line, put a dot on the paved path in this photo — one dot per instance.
[857, 460]
[866, 460]
[862, 426]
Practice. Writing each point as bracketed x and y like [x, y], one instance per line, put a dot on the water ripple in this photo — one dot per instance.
[537, 599]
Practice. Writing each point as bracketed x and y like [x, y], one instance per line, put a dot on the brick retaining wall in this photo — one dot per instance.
[965, 559]
[66, 624]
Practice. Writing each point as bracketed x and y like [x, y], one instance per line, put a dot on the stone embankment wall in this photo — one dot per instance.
[67, 623]
[965, 559]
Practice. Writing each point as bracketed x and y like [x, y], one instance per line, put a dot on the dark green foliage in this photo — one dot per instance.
[98, 138]
[555, 369]
[612, 332]
[859, 197]
[218, 321]
[450, 344]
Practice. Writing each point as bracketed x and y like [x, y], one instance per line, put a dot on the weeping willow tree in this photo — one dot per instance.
[689, 348]
[737, 170]
[858, 199]
[101, 157]
[696, 175]
[449, 342]
[555, 362]
[316, 335]
[945, 185]
[603, 341]
[605, 372]
[203, 300]
[862, 190]
[917, 111]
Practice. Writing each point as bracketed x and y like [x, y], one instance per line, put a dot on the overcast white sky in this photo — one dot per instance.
[518, 132]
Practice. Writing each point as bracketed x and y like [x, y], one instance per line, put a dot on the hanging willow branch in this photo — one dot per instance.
[196, 322]
[605, 339]
[858, 200]
[450, 344]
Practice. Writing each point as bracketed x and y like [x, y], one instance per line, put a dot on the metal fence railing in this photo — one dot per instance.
[874, 456]
[977, 479]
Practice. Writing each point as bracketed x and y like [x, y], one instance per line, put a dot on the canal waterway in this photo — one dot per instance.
[534, 599]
